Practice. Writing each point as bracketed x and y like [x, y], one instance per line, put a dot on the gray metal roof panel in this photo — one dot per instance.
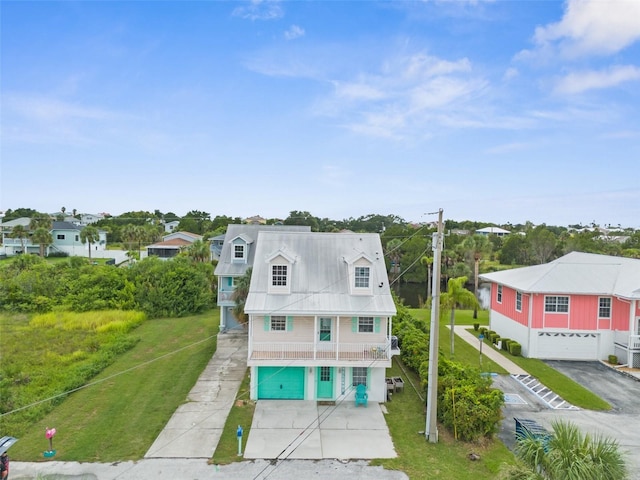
[225, 266]
[320, 275]
[576, 272]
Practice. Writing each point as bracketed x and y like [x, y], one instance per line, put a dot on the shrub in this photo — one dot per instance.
[496, 339]
[515, 349]
[613, 359]
[483, 331]
[476, 326]
[505, 344]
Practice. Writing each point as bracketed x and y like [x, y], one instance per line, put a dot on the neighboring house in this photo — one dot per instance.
[582, 306]
[171, 226]
[236, 257]
[500, 232]
[320, 311]
[172, 244]
[215, 245]
[65, 236]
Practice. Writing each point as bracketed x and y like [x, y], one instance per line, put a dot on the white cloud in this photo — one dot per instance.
[592, 27]
[578, 82]
[510, 73]
[294, 32]
[260, 10]
[508, 148]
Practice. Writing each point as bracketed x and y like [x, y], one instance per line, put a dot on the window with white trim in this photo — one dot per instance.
[518, 301]
[556, 304]
[362, 277]
[278, 323]
[365, 324]
[604, 307]
[499, 294]
[279, 275]
[60, 236]
[238, 252]
[359, 376]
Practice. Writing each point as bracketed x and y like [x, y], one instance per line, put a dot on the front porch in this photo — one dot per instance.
[627, 349]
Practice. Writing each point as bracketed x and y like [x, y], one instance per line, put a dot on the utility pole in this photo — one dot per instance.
[431, 428]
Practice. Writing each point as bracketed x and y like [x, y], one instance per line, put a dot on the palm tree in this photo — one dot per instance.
[240, 295]
[43, 238]
[568, 454]
[456, 296]
[89, 235]
[475, 247]
[40, 220]
[19, 232]
[199, 251]
[428, 262]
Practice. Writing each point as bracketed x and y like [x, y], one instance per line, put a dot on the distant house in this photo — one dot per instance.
[236, 257]
[320, 311]
[89, 218]
[255, 220]
[171, 226]
[499, 232]
[581, 306]
[172, 244]
[65, 236]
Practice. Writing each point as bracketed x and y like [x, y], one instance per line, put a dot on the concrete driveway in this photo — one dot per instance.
[621, 423]
[302, 429]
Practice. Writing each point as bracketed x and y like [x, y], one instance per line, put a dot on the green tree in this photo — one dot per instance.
[20, 233]
[456, 296]
[40, 220]
[199, 251]
[515, 250]
[567, 454]
[240, 295]
[42, 236]
[302, 218]
[89, 235]
[542, 242]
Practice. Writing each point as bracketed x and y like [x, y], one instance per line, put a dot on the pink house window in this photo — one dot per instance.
[518, 301]
[499, 294]
[556, 304]
[604, 307]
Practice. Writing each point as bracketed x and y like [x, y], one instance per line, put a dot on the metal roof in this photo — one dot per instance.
[249, 233]
[319, 278]
[576, 273]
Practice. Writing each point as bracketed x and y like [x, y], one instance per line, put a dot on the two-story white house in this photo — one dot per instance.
[320, 311]
[236, 255]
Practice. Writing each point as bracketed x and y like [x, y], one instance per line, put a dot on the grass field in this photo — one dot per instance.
[119, 416]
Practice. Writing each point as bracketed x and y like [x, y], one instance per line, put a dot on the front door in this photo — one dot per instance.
[325, 382]
[325, 330]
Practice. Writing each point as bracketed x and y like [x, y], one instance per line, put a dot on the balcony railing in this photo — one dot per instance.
[632, 342]
[225, 296]
[320, 351]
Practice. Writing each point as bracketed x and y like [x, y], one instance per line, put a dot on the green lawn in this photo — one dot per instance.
[120, 417]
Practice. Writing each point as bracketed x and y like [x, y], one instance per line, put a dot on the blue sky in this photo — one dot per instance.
[497, 111]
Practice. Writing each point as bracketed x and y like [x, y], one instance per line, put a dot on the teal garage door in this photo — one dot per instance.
[285, 383]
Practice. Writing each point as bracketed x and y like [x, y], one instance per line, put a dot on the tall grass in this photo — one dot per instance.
[117, 321]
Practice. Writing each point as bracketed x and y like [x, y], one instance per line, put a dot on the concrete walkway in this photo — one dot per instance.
[488, 351]
[195, 428]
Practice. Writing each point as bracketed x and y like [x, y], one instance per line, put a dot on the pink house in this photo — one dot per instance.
[581, 306]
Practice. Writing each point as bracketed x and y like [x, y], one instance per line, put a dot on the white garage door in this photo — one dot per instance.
[568, 346]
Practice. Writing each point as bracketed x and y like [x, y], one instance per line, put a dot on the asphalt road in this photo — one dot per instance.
[621, 423]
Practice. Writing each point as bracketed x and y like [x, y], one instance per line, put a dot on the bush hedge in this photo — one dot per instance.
[515, 349]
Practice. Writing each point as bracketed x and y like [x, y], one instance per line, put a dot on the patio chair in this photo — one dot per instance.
[361, 395]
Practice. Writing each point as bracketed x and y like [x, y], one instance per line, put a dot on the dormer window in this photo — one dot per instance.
[362, 277]
[238, 252]
[279, 275]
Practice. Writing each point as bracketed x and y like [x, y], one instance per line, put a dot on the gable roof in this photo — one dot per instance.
[577, 273]
[320, 277]
[249, 233]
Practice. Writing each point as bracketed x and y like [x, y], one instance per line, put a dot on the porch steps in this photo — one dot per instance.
[547, 396]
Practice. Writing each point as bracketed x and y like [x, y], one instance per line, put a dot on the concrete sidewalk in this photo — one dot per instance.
[195, 428]
[488, 350]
